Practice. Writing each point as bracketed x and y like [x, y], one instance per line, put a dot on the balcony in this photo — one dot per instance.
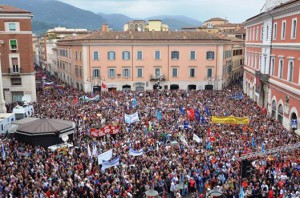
[262, 77]
[156, 78]
[14, 71]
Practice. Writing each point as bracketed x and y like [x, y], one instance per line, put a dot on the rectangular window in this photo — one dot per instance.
[111, 73]
[16, 81]
[290, 70]
[274, 31]
[17, 96]
[140, 55]
[80, 71]
[126, 55]
[209, 72]
[210, 55]
[13, 44]
[157, 72]
[280, 72]
[294, 29]
[157, 55]
[283, 30]
[126, 72]
[192, 72]
[174, 72]
[96, 73]
[193, 55]
[111, 55]
[96, 55]
[76, 55]
[140, 72]
[175, 55]
[257, 33]
[15, 65]
[12, 27]
[80, 55]
[261, 33]
[272, 66]
[76, 71]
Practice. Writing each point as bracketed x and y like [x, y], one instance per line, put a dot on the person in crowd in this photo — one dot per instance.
[165, 131]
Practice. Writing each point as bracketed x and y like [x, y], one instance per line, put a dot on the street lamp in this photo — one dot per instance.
[2, 102]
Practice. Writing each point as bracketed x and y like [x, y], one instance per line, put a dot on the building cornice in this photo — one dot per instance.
[295, 7]
[288, 9]
[16, 16]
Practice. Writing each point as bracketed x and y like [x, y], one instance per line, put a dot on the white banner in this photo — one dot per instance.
[132, 118]
[133, 152]
[196, 138]
[105, 156]
[107, 164]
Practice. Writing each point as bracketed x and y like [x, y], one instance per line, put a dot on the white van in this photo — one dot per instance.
[23, 111]
[5, 121]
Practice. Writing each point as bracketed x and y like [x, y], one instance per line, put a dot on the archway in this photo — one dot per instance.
[192, 87]
[294, 121]
[280, 113]
[126, 87]
[209, 87]
[274, 109]
[174, 87]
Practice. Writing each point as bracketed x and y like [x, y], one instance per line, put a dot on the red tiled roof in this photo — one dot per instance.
[167, 35]
[10, 9]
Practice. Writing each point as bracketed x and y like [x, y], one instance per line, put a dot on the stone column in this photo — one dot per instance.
[2, 102]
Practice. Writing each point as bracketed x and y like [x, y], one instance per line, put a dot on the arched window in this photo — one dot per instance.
[280, 113]
[274, 109]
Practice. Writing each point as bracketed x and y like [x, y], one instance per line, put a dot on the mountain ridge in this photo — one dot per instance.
[48, 14]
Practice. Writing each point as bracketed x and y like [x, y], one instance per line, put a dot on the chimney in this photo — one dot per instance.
[104, 27]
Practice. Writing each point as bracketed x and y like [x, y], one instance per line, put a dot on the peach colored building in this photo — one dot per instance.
[16, 51]
[272, 60]
[137, 60]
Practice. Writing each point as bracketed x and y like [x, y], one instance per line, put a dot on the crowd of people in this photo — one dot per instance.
[170, 153]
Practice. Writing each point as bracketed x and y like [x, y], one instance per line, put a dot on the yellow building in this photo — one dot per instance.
[142, 26]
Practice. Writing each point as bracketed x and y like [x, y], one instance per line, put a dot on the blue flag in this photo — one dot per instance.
[158, 115]
[197, 115]
[208, 146]
[182, 110]
[263, 147]
[3, 153]
[202, 119]
[253, 142]
[207, 111]
[60, 92]
[134, 102]
[241, 195]
[185, 124]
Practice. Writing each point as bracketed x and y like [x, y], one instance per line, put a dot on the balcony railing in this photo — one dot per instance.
[14, 71]
[155, 78]
[264, 77]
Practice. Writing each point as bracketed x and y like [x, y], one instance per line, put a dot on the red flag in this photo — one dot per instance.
[75, 100]
[104, 86]
[208, 132]
[191, 114]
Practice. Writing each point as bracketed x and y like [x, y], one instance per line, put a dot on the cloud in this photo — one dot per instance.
[233, 10]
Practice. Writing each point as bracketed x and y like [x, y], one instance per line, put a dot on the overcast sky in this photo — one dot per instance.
[233, 10]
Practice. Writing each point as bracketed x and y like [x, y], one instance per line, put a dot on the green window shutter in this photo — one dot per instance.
[13, 42]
